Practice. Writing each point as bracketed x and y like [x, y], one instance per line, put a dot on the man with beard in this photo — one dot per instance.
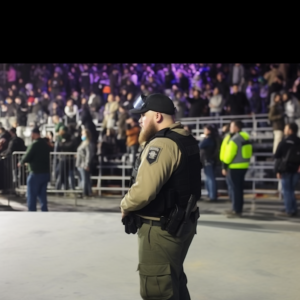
[165, 187]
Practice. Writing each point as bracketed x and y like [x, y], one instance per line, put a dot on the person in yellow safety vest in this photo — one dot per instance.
[235, 155]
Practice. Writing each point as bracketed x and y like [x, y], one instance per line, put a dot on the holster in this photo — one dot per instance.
[188, 225]
[175, 218]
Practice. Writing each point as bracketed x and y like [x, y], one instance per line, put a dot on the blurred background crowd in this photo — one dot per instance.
[71, 97]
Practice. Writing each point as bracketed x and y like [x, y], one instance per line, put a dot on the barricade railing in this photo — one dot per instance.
[114, 172]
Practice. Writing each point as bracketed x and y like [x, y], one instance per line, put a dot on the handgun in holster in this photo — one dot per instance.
[189, 219]
[179, 221]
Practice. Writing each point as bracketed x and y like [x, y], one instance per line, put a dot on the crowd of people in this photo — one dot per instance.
[71, 95]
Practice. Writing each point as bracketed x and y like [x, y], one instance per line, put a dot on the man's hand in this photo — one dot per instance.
[224, 172]
[19, 165]
[124, 214]
[278, 175]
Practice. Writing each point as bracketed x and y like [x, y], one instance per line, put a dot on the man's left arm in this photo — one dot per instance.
[159, 160]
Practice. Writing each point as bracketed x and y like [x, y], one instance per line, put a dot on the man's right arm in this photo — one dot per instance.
[28, 156]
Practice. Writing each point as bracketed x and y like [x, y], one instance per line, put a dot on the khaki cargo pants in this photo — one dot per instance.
[161, 258]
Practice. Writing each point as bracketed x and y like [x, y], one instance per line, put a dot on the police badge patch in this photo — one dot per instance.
[153, 154]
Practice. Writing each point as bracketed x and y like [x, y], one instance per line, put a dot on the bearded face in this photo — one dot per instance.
[147, 132]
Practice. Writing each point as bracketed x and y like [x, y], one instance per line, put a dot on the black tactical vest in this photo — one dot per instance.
[184, 182]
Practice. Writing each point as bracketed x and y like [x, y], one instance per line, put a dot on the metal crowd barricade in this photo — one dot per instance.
[117, 169]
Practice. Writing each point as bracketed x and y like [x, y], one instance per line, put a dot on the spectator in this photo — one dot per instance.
[276, 87]
[30, 98]
[216, 103]
[114, 80]
[255, 101]
[222, 85]
[76, 98]
[50, 138]
[84, 94]
[276, 116]
[15, 143]
[71, 111]
[168, 80]
[87, 122]
[14, 90]
[272, 74]
[58, 123]
[22, 111]
[108, 144]
[37, 157]
[197, 107]
[37, 110]
[55, 85]
[66, 164]
[85, 78]
[237, 102]
[126, 76]
[11, 76]
[94, 102]
[288, 172]
[181, 105]
[128, 104]
[209, 156]
[83, 162]
[291, 108]
[196, 81]
[237, 76]
[183, 82]
[296, 86]
[132, 133]
[122, 117]
[55, 110]
[110, 112]
[4, 139]
[153, 84]
[11, 108]
[130, 87]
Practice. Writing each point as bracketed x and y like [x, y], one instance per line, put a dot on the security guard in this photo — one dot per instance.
[166, 184]
[235, 155]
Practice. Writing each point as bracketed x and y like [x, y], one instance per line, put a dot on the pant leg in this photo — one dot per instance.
[230, 188]
[161, 258]
[278, 135]
[211, 181]
[42, 193]
[237, 180]
[32, 192]
[88, 183]
[82, 179]
[288, 191]
[295, 180]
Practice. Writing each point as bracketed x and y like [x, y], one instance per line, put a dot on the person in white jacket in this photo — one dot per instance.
[71, 111]
[216, 103]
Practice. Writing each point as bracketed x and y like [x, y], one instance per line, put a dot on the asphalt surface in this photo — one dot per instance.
[81, 252]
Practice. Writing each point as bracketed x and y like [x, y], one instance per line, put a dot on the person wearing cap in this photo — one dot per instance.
[166, 173]
[132, 134]
[37, 157]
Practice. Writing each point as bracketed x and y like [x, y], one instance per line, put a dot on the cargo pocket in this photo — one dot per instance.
[155, 281]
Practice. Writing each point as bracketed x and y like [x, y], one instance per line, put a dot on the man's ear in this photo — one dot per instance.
[159, 117]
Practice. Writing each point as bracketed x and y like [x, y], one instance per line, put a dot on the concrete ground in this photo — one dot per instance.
[87, 255]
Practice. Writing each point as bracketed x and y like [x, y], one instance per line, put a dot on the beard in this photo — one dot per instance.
[147, 134]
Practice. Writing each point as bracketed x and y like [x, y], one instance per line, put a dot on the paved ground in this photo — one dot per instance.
[86, 254]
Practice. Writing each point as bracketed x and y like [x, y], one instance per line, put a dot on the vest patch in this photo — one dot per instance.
[153, 154]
